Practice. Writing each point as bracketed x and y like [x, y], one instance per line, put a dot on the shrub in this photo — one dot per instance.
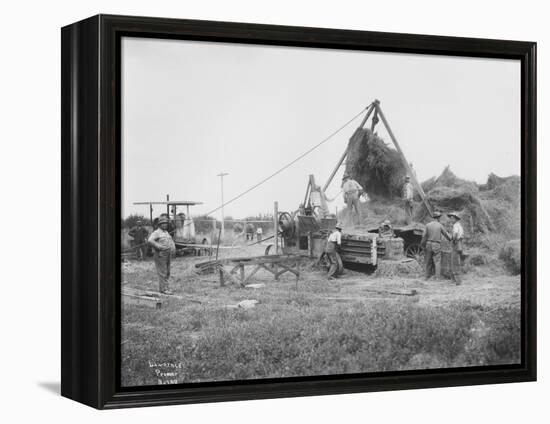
[511, 256]
[131, 221]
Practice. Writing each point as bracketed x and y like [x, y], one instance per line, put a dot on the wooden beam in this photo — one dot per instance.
[343, 157]
[417, 185]
[276, 225]
[136, 299]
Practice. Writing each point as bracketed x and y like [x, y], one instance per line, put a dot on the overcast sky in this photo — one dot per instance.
[194, 109]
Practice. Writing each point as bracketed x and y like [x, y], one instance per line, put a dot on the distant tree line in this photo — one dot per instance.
[131, 221]
[204, 224]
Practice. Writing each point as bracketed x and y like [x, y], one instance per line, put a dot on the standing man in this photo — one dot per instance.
[457, 248]
[163, 246]
[259, 234]
[431, 242]
[334, 242]
[352, 190]
[249, 231]
[139, 233]
[407, 196]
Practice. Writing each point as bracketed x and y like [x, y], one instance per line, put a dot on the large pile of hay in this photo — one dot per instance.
[374, 165]
[488, 208]
[449, 193]
[493, 207]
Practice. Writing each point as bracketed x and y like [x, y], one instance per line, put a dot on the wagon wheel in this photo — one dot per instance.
[286, 220]
[268, 249]
[415, 251]
[325, 263]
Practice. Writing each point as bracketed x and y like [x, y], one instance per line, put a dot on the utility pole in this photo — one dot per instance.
[221, 175]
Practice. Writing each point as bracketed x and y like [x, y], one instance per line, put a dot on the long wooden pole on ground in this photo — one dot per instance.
[343, 157]
[417, 185]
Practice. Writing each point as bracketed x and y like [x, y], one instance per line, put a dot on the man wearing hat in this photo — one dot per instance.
[139, 233]
[334, 242]
[457, 235]
[431, 242]
[163, 247]
[352, 190]
[407, 196]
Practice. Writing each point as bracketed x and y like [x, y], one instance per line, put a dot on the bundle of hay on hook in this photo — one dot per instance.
[374, 165]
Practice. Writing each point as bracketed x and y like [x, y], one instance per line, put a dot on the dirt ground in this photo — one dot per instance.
[483, 285]
[153, 339]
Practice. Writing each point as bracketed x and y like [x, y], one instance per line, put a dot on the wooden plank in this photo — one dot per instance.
[241, 269]
[252, 260]
[287, 268]
[134, 299]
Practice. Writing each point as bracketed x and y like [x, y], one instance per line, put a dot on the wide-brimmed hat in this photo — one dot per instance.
[162, 220]
[387, 222]
[455, 214]
[407, 177]
[437, 214]
[338, 226]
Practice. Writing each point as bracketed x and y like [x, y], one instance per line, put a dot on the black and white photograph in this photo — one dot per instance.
[297, 212]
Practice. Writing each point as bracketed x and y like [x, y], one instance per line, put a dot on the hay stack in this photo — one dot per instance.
[374, 165]
[450, 193]
[486, 208]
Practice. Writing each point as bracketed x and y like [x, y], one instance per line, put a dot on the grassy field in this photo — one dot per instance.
[315, 327]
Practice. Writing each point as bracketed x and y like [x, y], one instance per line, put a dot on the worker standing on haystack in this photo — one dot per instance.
[163, 246]
[352, 190]
[457, 247]
[334, 242]
[139, 233]
[407, 196]
[431, 243]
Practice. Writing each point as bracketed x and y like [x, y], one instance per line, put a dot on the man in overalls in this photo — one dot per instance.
[457, 248]
[163, 246]
[431, 242]
[334, 242]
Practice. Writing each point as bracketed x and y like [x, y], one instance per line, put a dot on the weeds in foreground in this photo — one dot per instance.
[300, 338]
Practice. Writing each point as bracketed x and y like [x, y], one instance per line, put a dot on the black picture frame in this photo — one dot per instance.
[90, 176]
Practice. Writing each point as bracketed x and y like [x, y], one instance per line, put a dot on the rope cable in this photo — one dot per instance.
[289, 164]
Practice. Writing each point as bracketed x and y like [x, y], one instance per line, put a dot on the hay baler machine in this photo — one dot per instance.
[305, 232]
